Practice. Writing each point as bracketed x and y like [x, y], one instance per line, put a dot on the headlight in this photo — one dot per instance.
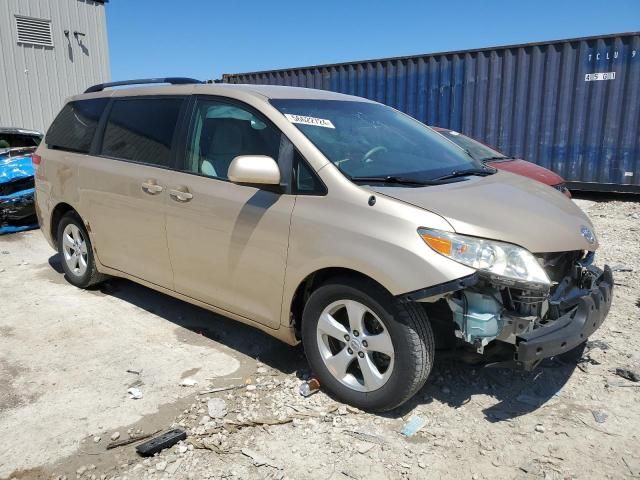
[498, 258]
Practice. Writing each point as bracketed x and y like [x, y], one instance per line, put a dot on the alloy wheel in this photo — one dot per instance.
[355, 345]
[74, 250]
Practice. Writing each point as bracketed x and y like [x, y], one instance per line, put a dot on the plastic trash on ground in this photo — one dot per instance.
[309, 387]
[413, 426]
[135, 393]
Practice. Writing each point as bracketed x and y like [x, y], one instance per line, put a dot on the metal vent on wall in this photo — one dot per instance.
[34, 31]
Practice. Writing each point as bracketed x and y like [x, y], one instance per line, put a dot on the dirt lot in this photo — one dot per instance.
[68, 358]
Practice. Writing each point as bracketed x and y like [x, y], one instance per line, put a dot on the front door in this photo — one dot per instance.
[227, 242]
[125, 187]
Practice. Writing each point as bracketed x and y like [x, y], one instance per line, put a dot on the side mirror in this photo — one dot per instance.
[254, 169]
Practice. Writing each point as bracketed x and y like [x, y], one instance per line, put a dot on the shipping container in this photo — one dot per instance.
[572, 106]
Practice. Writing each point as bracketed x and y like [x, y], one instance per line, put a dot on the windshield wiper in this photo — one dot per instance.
[501, 157]
[481, 172]
[393, 179]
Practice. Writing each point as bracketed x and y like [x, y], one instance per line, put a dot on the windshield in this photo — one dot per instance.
[477, 150]
[371, 140]
[18, 140]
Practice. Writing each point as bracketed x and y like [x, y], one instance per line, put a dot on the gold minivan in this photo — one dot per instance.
[322, 218]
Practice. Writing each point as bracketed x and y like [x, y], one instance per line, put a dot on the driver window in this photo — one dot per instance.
[222, 131]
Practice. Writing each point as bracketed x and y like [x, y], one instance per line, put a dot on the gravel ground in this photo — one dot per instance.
[564, 420]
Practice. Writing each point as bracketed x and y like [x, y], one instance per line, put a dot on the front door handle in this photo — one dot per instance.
[180, 194]
[151, 187]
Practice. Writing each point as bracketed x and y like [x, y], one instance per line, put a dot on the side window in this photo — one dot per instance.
[305, 180]
[141, 130]
[220, 132]
[75, 125]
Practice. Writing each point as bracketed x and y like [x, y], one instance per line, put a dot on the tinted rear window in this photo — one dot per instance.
[75, 125]
[141, 130]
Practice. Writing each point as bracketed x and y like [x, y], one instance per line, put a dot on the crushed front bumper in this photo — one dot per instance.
[585, 310]
[17, 212]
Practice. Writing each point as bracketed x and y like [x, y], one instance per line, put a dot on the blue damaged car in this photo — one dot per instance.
[17, 209]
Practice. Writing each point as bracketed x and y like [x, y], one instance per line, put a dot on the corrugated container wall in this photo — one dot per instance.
[541, 102]
[39, 65]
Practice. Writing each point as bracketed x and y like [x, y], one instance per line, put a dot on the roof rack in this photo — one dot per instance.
[172, 80]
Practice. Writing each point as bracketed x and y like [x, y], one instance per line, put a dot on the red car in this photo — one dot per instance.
[492, 157]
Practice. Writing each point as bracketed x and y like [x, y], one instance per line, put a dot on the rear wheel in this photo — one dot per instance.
[75, 249]
[365, 346]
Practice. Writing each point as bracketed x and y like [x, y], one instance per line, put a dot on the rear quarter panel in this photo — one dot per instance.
[56, 181]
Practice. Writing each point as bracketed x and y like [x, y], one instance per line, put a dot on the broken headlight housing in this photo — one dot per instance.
[498, 259]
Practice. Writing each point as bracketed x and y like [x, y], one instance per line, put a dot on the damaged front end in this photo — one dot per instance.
[519, 323]
[17, 206]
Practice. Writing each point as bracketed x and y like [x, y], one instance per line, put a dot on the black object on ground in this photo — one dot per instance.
[633, 375]
[161, 442]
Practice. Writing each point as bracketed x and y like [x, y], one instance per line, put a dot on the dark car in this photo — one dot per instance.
[17, 210]
[493, 157]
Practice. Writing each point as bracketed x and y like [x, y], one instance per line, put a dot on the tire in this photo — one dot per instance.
[406, 325]
[72, 230]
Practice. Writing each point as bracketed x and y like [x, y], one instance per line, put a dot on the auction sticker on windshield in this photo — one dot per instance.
[317, 122]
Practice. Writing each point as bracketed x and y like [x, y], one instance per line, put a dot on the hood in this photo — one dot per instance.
[505, 207]
[530, 170]
[14, 168]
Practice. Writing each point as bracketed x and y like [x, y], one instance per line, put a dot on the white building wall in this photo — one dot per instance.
[35, 80]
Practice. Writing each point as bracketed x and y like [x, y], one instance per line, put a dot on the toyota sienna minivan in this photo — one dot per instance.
[319, 218]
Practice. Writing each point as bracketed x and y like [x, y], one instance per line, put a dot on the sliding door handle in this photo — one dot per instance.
[150, 186]
[180, 194]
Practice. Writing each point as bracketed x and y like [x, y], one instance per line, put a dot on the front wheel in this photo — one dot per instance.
[366, 347]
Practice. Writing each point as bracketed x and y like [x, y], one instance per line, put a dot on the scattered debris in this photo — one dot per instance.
[597, 429]
[130, 440]
[188, 382]
[220, 389]
[621, 268]
[413, 426]
[309, 387]
[628, 373]
[161, 442]
[135, 372]
[96, 439]
[362, 449]
[115, 436]
[135, 393]
[540, 428]
[217, 408]
[232, 427]
[599, 416]
[259, 459]
[366, 437]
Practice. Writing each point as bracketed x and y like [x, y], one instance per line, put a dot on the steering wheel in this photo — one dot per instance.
[367, 156]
